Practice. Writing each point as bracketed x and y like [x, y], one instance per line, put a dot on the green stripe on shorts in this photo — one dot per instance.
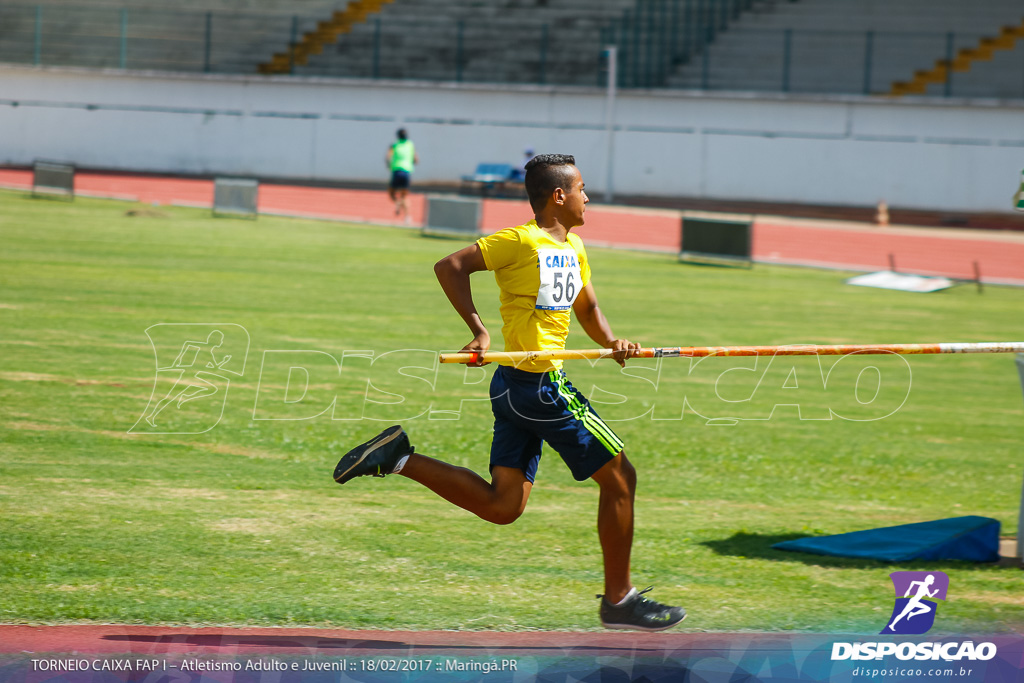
[593, 424]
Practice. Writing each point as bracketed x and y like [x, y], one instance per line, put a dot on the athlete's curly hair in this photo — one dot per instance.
[545, 173]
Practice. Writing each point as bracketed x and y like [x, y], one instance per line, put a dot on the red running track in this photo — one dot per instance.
[307, 642]
[845, 245]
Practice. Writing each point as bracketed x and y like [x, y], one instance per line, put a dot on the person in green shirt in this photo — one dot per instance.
[401, 160]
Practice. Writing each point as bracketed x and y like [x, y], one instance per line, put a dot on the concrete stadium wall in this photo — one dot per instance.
[955, 155]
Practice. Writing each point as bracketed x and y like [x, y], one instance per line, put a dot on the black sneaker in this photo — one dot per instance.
[377, 457]
[640, 614]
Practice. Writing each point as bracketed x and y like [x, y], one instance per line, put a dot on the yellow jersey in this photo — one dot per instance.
[539, 279]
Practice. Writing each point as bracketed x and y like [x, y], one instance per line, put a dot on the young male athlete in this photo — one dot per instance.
[542, 272]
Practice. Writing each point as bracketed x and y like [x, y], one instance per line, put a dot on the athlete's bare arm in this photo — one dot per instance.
[453, 273]
[597, 328]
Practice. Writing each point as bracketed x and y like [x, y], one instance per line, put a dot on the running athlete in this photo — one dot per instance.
[542, 271]
[401, 159]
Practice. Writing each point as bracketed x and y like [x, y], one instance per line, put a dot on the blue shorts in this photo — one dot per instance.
[400, 180]
[533, 407]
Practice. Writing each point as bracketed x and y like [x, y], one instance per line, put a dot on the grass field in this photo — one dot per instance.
[243, 525]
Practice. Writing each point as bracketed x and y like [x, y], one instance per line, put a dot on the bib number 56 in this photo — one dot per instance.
[564, 291]
[560, 279]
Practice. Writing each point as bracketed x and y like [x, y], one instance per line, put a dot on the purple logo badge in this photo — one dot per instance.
[916, 593]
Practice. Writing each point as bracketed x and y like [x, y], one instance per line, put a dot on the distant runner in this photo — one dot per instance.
[401, 160]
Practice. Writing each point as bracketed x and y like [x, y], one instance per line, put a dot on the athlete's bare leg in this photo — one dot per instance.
[503, 500]
[500, 501]
[617, 480]
[400, 204]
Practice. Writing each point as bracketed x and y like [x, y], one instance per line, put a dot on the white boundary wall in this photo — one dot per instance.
[955, 155]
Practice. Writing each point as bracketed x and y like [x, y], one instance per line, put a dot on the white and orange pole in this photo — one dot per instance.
[703, 351]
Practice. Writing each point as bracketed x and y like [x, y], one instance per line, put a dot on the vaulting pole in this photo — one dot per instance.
[703, 351]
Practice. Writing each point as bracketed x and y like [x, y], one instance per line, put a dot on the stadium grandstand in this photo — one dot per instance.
[222, 36]
[944, 48]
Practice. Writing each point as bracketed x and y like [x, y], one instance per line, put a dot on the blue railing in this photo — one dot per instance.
[239, 42]
[685, 44]
[141, 38]
[711, 53]
[654, 37]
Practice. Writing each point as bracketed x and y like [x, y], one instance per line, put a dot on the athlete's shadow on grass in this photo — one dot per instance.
[759, 546]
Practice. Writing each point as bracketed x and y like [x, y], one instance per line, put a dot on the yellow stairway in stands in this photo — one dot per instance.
[1006, 40]
[326, 33]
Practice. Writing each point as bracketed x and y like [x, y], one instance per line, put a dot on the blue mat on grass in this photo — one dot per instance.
[974, 539]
